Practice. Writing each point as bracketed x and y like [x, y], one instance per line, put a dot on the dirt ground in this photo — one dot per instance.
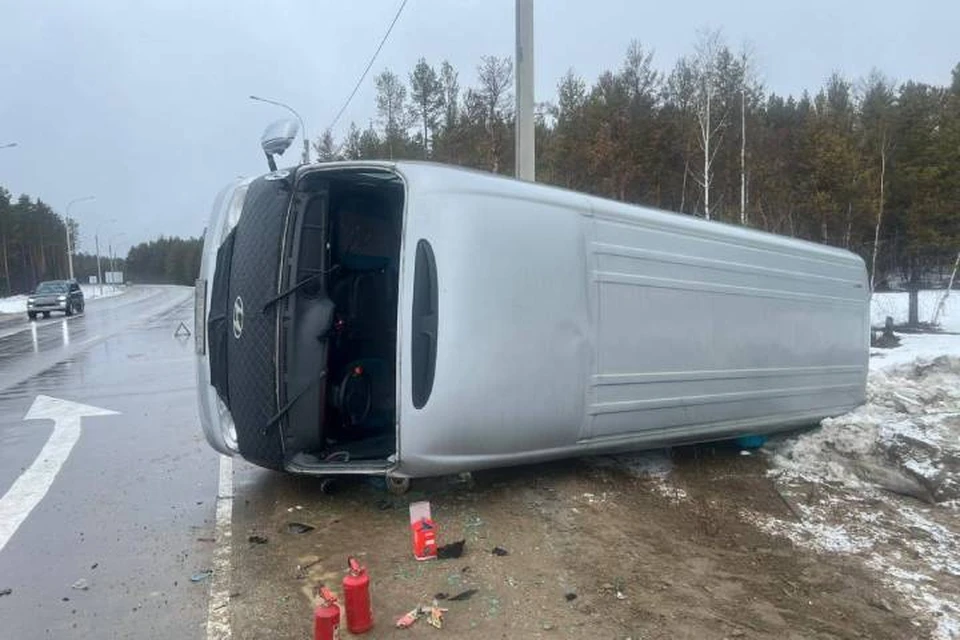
[596, 549]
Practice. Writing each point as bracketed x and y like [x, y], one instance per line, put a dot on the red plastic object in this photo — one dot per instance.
[326, 617]
[424, 539]
[356, 595]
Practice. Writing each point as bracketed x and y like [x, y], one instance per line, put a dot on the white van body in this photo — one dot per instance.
[563, 324]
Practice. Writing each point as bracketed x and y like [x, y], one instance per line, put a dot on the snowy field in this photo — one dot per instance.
[18, 304]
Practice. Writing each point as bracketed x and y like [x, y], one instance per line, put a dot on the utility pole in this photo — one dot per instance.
[96, 240]
[525, 142]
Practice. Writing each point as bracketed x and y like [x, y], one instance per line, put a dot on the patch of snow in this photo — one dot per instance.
[13, 304]
[896, 305]
[855, 469]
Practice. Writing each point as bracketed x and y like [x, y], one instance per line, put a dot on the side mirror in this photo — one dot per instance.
[277, 138]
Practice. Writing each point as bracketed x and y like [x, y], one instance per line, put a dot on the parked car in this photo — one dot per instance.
[55, 295]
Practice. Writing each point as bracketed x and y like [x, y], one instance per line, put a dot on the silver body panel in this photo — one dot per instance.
[570, 324]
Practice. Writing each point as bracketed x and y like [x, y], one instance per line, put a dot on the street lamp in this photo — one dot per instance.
[9, 145]
[67, 225]
[303, 128]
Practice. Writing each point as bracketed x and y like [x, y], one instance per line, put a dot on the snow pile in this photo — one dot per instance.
[904, 439]
[883, 482]
[13, 304]
[18, 304]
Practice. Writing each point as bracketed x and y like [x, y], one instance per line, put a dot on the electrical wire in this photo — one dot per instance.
[369, 64]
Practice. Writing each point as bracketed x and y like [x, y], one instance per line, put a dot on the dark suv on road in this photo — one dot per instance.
[55, 295]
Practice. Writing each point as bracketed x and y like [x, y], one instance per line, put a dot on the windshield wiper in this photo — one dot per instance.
[280, 296]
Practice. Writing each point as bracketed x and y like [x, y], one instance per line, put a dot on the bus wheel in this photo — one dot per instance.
[398, 486]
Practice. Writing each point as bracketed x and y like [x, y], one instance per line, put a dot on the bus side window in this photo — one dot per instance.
[424, 335]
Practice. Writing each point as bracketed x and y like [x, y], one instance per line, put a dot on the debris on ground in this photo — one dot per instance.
[94, 566]
[499, 551]
[302, 569]
[442, 595]
[463, 595]
[200, 576]
[5, 592]
[206, 539]
[299, 528]
[570, 596]
[408, 619]
[257, 539]
[452, 550]
[80, 585]
[296, 508]
[435, 618]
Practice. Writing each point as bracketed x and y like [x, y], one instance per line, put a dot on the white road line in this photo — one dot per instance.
[32, 485]
[218, 615]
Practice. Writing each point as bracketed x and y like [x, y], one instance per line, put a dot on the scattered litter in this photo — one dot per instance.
[80, 585]
[94, 566]
[206, 539]
[744, 452]
[465, 570]
[201, 576]
[547, 626]
[436, 616]
[406, 620]
[302, 568]
[463, 595]
[570, 596]
[452, 550]
[5, 592]
[299, 527]
[511, 581]
[65, 599]
[257, 540]
[621, 595]
[437, 596]
[296, 508]
[499, 551]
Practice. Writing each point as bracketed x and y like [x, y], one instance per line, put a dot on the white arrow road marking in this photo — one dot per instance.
[33, 484]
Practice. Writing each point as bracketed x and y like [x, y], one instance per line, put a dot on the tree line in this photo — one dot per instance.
[871, 165]
[32, 243]
[166, 260]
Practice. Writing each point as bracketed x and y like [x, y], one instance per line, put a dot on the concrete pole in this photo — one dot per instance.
[525, 152]
[96, 239]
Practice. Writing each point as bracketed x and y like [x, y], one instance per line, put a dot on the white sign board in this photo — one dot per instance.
[93, 279]
[113, 277]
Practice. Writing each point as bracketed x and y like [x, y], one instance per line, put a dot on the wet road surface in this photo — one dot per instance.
[129, 516]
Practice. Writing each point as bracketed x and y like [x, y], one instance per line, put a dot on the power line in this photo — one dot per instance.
[369, 64]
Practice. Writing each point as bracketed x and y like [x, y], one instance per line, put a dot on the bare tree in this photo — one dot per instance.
[495, 76]
[876, 107]
[711, 116]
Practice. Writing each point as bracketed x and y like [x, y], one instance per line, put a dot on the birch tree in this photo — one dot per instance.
[711, 116]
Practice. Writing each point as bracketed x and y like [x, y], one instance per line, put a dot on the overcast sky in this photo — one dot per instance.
[144, 104]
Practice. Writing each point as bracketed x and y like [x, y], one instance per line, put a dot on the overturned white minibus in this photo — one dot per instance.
[410, 319]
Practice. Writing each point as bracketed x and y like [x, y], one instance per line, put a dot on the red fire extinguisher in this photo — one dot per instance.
[356, 595]
[326, 617]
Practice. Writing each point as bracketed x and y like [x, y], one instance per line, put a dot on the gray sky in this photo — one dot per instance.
[144, 103]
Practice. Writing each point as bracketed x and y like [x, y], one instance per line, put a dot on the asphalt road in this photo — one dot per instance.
[104, 517]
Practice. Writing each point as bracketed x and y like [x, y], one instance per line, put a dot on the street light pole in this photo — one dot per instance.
[303, 128]
[66, 223]
[525, 152]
